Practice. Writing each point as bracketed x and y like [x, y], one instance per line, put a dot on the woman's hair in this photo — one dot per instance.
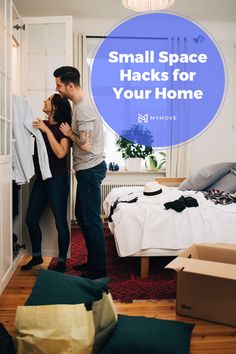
[61, 108]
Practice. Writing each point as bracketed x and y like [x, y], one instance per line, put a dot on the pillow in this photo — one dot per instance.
[206, 176]
[233, 169]
[226, 183]
[141, 335]
[57, 288]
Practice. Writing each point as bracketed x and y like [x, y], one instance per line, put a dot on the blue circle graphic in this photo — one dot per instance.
[158, 79]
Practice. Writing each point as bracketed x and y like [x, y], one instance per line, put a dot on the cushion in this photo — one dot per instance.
[138, 334]
[57, 288]
[206, 176]
[226, 183]
[233, 169]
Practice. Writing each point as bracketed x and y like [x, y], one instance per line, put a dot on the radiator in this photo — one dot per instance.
[107, 187]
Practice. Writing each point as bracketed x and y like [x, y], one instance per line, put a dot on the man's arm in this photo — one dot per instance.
[83, 140]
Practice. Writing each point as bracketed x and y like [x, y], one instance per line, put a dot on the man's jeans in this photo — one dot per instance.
[87, 211]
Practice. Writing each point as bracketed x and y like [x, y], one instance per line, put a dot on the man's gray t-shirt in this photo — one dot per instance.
[84, 119]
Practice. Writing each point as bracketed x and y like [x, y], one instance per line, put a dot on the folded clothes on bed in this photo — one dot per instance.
[220, 197]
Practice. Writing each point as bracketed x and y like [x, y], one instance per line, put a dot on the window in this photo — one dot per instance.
[112, 155]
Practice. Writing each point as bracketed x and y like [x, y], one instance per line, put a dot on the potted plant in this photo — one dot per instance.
[131, 149]
[151, 162]
[162, 161]
[156, 163]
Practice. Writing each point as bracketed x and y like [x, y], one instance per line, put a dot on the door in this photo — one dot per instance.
[47, 44]
[6, 260]
[16, 89]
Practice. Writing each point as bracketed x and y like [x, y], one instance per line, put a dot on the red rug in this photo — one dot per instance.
[125, 284]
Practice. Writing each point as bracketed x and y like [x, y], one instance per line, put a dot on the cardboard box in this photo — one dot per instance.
[206, 282]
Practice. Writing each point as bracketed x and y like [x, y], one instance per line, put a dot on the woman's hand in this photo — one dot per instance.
[66, 129]
[39, 124]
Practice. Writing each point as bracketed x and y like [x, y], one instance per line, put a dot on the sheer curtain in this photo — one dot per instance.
[80, 59]
[177, 157]
[177, 161]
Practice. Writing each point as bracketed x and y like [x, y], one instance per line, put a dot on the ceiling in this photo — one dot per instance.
[206, 10]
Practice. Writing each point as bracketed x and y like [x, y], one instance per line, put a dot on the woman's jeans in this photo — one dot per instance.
[88, 210]
[54, 190]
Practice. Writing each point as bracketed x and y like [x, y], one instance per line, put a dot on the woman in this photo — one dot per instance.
[55, 189]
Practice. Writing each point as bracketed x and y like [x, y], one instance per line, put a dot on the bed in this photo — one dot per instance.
[145, 228]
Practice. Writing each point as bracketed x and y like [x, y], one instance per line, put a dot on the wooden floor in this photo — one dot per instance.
[207, 338]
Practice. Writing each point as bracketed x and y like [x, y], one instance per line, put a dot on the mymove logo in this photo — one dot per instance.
[144, 118]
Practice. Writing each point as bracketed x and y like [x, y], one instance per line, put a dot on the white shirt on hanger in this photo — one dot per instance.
[22, 164]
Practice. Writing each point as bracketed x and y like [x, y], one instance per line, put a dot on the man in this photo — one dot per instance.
[86, 134]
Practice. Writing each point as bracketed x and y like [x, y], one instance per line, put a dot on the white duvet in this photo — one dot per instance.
[146, 224]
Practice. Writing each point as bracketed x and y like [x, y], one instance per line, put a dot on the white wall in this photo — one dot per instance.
[218, 142]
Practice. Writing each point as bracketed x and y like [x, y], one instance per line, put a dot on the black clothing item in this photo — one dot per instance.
[181, 203]
[178, 205]
[117, 201]
[15, 199]
[190, 202]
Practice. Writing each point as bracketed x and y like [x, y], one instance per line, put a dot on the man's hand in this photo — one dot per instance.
[66, 130]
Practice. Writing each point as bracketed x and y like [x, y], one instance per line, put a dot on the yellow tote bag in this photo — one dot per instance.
[54, 329]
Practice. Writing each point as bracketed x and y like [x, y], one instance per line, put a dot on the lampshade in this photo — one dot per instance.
[147, 5]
